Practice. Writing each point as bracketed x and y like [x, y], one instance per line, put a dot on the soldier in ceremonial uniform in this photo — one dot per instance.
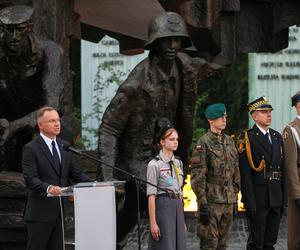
[291, 142]
[262, 177]
[215, 180]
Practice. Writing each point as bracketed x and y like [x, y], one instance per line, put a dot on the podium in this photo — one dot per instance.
[93, 215]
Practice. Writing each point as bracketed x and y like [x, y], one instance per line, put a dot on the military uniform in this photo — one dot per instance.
[291, 144]
[215, 181]
[262, 181]
[167, 173]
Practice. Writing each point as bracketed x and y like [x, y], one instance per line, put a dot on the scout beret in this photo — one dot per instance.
[163, 124]
[215, 111]
[295, 98]
[261, 103]
[16, 14]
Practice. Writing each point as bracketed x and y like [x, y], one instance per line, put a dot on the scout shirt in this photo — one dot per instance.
[160, 173]
[215, 175]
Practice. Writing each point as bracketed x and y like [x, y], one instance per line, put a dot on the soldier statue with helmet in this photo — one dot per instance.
[30, 77]
[162, 85]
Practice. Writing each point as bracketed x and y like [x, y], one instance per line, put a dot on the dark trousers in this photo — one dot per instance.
[263, 229]
[44, 235]
[127, 218]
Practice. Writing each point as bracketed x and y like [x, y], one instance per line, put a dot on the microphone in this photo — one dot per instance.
[71, 149]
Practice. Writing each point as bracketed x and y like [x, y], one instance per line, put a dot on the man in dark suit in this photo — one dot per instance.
[47, 167]
[262, 177]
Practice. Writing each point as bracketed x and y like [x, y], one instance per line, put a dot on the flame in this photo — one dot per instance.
[241, 207]
[189, 197]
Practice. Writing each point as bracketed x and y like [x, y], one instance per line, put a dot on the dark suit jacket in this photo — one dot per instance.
[39, 172]
[256, 189]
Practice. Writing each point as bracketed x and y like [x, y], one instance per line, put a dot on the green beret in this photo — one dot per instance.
[215, 111]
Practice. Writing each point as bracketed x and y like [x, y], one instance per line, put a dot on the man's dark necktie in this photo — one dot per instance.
[268, 138]
[55, 155]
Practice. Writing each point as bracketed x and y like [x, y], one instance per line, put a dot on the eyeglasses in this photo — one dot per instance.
[53, 121]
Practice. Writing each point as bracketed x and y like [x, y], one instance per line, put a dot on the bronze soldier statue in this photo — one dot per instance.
[215, 180]
[30, 77]
[159, 86]
[262, 176]
[291, 142]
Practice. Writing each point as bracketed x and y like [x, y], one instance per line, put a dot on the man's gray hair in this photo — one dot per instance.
[42, 111]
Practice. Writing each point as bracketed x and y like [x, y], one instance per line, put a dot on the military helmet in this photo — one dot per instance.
[167, 24]
[16, 14]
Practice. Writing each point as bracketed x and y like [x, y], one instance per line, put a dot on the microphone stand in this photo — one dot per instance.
[136, 179]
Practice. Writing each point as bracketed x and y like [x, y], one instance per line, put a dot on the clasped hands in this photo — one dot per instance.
[54, 190]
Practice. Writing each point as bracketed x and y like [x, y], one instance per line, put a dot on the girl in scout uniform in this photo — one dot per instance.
[167, 226]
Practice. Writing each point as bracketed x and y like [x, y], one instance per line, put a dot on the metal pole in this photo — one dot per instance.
[137, 182]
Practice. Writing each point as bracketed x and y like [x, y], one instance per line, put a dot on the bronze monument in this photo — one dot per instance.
[30, 77]
[162, 85]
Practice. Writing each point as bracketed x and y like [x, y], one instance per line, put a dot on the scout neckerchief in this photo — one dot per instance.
[176, 168]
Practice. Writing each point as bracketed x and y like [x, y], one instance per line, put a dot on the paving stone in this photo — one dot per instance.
[237, 241]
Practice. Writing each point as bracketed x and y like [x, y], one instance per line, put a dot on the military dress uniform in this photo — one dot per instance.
[263, 183]
[291, 142]
[215, 181]
[168, 174]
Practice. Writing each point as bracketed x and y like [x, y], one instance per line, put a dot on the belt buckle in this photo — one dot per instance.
[275, 176]
[168, 194]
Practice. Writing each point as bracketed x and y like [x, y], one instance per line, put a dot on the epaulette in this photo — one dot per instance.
[157, 158]
[285, 133]
[292, 123]
[247, 130]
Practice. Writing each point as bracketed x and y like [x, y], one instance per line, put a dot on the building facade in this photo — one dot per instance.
[277, 75]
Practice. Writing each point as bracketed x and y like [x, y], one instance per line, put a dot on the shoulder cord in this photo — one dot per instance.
[295, 136]
[262, 163]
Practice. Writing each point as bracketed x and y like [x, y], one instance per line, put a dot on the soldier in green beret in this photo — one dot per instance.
[215, 180]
